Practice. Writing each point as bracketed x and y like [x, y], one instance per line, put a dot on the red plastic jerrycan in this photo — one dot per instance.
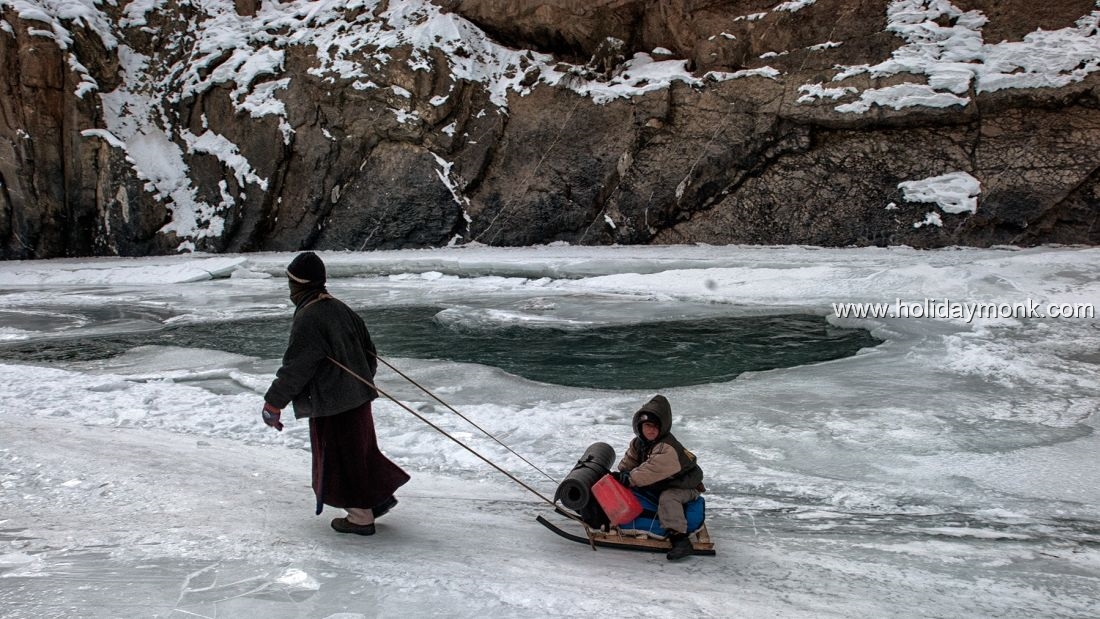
[617, 501]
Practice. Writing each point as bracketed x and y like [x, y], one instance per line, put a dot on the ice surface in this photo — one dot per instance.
[949, 472]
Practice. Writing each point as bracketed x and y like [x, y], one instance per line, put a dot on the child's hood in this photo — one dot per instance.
[658, 407]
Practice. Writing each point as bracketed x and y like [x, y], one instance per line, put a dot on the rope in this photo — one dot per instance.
[466, 419]
[440, 430]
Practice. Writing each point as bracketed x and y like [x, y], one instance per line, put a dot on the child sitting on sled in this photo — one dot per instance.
[657, 464]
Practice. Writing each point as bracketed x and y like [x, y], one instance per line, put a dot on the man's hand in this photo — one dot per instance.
[271, 416]
[623, 477]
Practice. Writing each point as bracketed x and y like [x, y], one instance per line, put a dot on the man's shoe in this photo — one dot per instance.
[384, 506]
[681, 547]
[342, 525]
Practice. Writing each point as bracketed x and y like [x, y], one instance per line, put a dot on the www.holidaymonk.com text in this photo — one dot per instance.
[964, 310]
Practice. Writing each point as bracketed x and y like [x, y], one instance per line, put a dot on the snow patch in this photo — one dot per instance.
[104, 135]
[639, 75]
[931, 219]
[954, 193]
[794, 6]
[901, 96]
[444, 174]
[719, 76]
[813, 92]
[954, 58]
[219, 146]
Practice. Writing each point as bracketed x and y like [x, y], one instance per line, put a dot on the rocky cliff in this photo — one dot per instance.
[156, 126]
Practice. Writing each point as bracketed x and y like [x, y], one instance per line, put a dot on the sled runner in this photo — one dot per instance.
[614, 537]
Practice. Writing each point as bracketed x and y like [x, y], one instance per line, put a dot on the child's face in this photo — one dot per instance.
[650, 430]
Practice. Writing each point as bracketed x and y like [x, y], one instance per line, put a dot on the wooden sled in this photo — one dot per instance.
[616, 538]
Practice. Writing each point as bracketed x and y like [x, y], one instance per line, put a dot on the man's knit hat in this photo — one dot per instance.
[307, 268]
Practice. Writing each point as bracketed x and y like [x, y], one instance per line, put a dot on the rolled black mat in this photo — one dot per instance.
[575, 491]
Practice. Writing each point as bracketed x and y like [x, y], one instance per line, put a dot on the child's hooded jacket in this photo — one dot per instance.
[663, 463]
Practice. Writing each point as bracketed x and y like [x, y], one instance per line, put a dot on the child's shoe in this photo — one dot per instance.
[681, 547]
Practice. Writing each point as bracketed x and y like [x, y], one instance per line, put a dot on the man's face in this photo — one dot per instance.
[650, 430]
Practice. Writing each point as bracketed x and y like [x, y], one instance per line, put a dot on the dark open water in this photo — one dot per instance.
[636, 356]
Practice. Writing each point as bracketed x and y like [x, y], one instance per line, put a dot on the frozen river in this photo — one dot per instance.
[887, 467]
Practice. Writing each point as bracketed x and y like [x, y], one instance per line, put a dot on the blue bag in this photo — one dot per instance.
[647, 522]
